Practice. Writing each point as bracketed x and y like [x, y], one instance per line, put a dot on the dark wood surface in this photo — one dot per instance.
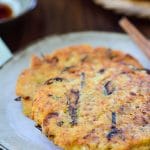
[63, 16]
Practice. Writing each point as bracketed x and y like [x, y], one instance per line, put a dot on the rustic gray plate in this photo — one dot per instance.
[18, 132]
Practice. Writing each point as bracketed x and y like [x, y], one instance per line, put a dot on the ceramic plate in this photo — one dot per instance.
[17, 132]
[140, 8]
[18, 7]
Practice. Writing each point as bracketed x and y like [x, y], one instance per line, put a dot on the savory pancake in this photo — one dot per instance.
[70, 60]
[106, 110]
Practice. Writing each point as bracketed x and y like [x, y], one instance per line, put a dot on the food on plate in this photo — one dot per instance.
[65, 60]
[86, 98]
[106, 111]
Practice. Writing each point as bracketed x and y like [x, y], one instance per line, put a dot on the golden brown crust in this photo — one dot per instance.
[95, 98]
[88, 115]
[67, 58]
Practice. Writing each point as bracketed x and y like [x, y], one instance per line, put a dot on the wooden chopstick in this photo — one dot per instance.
[136, 35]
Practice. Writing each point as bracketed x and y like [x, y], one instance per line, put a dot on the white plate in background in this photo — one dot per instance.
[17, 132]
[139, 8]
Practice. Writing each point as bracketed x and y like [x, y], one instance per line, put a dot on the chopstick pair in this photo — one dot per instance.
[136, 35]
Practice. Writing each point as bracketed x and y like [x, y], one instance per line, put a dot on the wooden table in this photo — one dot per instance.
[63, 16]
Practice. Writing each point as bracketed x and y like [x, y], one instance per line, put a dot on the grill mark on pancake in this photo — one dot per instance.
[82, 80]
[72, 102]
[48, 117]
[114, 131]
[57, 79]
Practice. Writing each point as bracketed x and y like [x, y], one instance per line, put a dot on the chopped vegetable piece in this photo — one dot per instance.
[18, 99]
[50, 81]
[72, 102]
[108, 88]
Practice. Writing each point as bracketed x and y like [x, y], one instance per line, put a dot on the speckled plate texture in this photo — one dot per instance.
[17, 132]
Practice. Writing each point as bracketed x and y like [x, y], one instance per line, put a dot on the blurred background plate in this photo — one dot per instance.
[140, 8]
[17, 132]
